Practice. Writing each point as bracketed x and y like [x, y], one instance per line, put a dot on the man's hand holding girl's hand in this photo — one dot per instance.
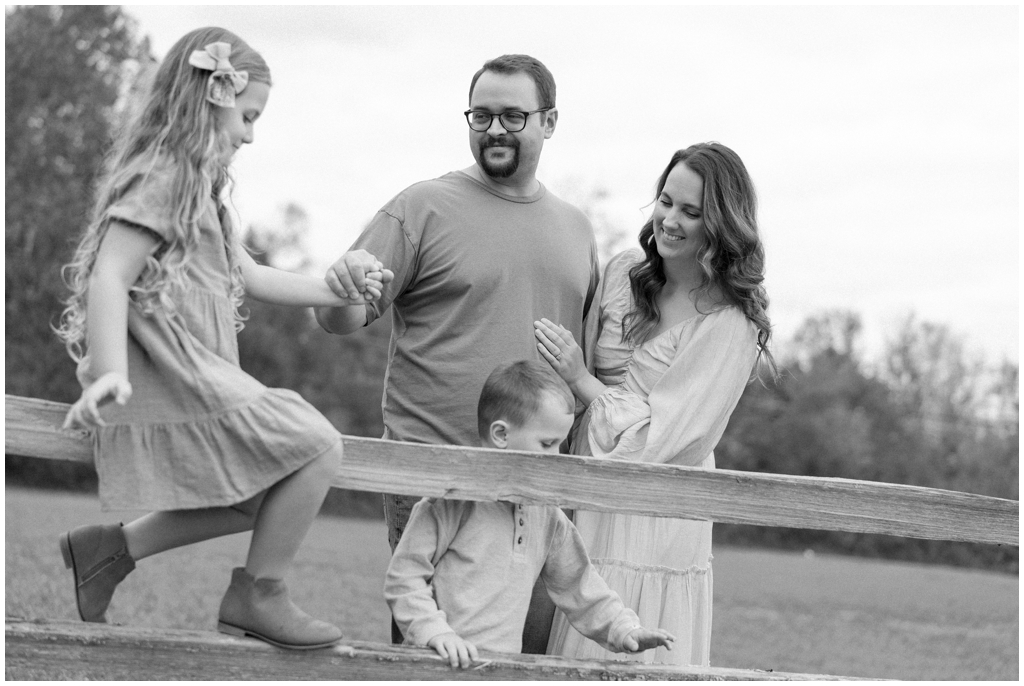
[358, 275]
[458, 651]
[85, 413]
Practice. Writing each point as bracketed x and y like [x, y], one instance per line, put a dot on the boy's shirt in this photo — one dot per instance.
[479, 562]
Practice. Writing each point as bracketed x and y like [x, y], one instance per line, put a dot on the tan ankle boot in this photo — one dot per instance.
[98, 556]
[261, 608]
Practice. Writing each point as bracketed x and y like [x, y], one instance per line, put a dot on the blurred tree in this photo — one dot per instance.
[284, 347]
[941, 392]
[917, 423]
[1004, 391]
[832, 333]
[67, 68]
[931, 373]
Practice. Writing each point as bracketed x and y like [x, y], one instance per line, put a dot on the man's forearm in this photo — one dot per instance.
[341, 320]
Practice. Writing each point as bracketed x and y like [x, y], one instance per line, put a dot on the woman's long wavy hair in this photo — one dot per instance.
[731, 258]
[176, 125]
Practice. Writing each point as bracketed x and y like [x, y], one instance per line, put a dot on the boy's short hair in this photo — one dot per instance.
[513, 392]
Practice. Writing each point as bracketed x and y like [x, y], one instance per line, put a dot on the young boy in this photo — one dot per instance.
[462, 576]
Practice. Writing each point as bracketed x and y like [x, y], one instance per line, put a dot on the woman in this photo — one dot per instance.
[676, 329]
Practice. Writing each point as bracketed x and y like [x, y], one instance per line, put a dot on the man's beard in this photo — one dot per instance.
[502, 170]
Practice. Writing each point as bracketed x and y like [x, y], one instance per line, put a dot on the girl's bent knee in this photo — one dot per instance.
[329, 462]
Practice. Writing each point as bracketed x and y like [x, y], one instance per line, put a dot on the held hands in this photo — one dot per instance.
[641, 639]
[358, 276]
[556, 345]
[458, 651]
[85, 413]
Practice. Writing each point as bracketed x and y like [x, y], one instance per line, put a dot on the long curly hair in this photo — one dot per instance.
[177, 126]
[731, 258]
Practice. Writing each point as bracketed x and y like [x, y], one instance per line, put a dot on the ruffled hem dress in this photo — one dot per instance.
[198, 431]
[669, 402]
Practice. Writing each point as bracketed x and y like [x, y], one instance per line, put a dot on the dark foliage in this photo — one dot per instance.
[65, 70]
[940, 422]
[66, 67]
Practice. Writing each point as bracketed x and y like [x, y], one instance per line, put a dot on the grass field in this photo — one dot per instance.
[781, 611]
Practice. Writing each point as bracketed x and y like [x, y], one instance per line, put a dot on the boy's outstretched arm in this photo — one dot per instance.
[591, 607]
[641, 639]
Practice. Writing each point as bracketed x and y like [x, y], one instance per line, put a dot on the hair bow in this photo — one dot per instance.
[224, 83]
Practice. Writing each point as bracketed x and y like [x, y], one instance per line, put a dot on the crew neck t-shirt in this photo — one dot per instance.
[474, 269]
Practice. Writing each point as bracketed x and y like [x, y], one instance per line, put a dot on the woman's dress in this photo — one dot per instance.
[198, 431]
[670, 401]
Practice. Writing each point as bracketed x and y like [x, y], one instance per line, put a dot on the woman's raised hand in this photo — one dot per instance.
[557, 346]
[85, 413]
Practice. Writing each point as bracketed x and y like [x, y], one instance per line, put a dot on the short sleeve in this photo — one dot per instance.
[386, 239]
[148, 203]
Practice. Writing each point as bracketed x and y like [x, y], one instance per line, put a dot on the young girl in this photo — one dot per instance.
[156, 283]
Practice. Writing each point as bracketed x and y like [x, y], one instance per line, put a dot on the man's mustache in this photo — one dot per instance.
[500, 141]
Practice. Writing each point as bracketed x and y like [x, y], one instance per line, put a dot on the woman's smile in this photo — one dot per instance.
[670, 236]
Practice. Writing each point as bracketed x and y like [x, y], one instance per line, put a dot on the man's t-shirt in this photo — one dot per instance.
[473, 270]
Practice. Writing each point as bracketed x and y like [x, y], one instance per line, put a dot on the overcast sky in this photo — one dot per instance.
[884, 142]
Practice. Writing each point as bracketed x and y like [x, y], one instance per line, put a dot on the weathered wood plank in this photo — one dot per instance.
[53, 650]
[32, 428]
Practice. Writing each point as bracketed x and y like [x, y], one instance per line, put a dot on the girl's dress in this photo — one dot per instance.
[197, 431]
[669, 403]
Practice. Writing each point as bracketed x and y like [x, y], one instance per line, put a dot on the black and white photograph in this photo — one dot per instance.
[512, 342]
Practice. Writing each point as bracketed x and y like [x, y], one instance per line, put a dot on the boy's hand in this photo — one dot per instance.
[451, 646]
[85, 414]
[641, 639]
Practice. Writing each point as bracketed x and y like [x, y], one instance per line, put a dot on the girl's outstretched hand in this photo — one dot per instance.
[557, 346]
[641, 639]
[85, 413]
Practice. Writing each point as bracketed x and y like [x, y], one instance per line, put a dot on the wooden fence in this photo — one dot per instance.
[32, 429]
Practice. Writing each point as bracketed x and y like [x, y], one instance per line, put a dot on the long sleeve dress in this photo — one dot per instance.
[670, 401]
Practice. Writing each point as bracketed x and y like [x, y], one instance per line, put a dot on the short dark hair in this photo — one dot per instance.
[513, 392]
[521, 64]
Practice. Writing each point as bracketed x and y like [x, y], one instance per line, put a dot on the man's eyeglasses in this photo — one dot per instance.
[512, 121]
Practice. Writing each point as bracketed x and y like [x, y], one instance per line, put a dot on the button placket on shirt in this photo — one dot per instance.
[519, 531]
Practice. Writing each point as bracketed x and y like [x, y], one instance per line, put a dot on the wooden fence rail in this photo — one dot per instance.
[33, 429]
[77, 651]
[63, 650]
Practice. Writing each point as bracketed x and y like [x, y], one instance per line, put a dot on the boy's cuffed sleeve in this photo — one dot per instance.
[407, 584]
[578, 590]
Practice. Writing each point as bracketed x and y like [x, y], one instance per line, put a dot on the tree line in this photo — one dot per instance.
[924, 412]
